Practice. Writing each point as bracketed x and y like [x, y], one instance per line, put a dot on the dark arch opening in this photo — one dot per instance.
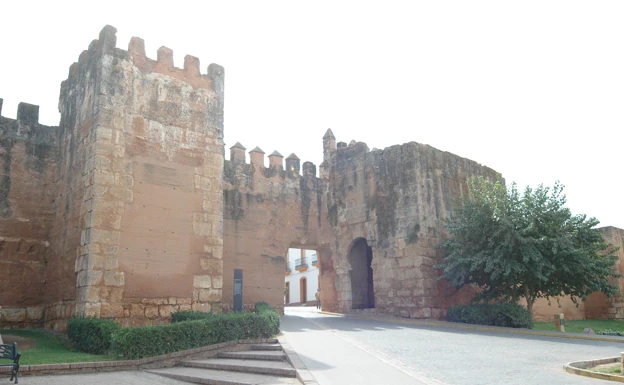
[362, 289]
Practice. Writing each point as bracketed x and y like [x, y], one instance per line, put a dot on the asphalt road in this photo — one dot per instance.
[339, 351]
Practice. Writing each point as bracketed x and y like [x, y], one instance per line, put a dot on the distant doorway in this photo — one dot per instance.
[287, 293]
[362, 289]
[303, 290]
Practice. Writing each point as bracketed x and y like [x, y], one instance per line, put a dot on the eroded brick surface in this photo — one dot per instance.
[28, 156]
[396, 199]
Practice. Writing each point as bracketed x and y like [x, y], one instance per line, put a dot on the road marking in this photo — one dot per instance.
[403, 367]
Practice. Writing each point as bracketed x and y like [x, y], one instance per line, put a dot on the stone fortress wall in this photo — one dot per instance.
[392, 201]
[266, 211]
[130, 188]
[128, 209]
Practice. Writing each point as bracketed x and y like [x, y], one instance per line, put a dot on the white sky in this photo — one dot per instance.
[533, 89]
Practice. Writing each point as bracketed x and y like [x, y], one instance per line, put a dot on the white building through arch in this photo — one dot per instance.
[302, 277]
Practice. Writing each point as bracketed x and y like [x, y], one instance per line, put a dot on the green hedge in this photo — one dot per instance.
[92, 335]
[506, 314]
[182, 316]
[148, 341]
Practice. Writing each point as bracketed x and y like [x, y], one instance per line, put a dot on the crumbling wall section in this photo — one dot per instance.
[28, 155]
[266, 211]
[396, 199]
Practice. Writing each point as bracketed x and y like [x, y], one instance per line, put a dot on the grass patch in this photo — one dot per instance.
[577, 326]
[51, 349]
[608, 369]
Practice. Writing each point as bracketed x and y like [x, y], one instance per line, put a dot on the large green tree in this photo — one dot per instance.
[529, 245]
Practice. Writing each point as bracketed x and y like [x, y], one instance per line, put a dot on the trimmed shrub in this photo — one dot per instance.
[506, 314]
[270, 318]
[207, 329]
[92, 335]
[181, 316]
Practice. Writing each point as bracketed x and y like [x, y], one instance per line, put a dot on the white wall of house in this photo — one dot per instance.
[311, 275]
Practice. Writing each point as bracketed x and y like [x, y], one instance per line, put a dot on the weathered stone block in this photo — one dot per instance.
[217, 282]
[105, 236]
[137, 310]
[203, 307]
[213, 267]
[113, 278]
[34, 313]
[112, 310]
[202, 282]
[13, 315]
[151, 312]
[89, 278]
[165, 311]
[209, 295]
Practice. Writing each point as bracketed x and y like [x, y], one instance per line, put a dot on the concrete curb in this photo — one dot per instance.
[303, 374]
[496, 329]
[109, 366]
[579, 368]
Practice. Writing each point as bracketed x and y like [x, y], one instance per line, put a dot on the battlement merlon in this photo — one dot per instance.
[276, 162]
[237, 153]
[26, 127]
[293, 164]
[190, 73]
[27, 114]
[329, 144]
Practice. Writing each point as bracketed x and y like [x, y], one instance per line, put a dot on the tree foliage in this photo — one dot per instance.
[514, 245]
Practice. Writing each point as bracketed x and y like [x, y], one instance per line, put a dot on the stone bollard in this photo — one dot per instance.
[560, 322]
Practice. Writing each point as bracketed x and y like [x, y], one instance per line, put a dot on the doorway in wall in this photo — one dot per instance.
[362, 289]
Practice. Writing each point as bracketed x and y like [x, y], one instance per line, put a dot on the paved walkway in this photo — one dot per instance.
[117, 378]
[340, 350]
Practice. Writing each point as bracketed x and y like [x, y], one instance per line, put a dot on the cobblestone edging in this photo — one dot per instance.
[165, 360]
[579, 367]
[303, 374]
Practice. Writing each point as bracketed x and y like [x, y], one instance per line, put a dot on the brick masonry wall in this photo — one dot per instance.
[597, 305]
[266, 211]
[153, 234]
[28, 155]
[396, 199]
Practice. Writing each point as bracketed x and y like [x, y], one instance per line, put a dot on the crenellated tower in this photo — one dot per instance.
[139, 192]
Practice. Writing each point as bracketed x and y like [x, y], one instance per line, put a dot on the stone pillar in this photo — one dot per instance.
[559, 322]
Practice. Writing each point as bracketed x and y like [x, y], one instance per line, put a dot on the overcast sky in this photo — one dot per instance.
[533, 89]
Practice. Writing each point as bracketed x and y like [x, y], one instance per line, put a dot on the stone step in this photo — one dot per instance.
[276, 368]
[220, 377]
[276, 347]
[254, 355]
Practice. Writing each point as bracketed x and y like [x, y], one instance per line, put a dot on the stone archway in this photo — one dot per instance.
[362, 289]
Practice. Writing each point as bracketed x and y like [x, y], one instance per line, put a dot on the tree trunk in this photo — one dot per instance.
[529, 301]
